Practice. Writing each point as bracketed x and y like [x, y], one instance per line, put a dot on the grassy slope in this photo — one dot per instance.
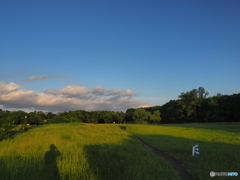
[79, 151]
[219, 145]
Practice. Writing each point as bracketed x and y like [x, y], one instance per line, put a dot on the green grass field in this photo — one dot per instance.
[219, 145]
[104, 151]
[79, 151]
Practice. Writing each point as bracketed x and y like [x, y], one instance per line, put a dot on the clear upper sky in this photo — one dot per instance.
[112, 55]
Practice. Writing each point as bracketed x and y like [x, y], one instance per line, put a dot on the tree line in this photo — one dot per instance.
[88, 117]
[195, 106]
[40, 117]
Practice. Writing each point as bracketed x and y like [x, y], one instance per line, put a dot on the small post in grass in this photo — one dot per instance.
[195, 150]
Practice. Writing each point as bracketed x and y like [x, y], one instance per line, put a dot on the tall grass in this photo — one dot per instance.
[219, 145]
[79, 151]
[94, 151]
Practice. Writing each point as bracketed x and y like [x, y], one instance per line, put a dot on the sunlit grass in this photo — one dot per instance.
[213, 133]
[104, 151]
[219, 145]
[79, 151]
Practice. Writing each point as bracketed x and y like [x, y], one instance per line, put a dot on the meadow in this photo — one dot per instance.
[219, 145]
[79, 151]
[108, 151]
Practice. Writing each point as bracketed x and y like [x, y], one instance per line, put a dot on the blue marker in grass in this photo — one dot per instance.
[195, 150]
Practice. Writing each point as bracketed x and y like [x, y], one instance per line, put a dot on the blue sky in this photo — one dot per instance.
[114, 55]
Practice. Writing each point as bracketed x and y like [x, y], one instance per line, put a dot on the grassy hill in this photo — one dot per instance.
[109, 151]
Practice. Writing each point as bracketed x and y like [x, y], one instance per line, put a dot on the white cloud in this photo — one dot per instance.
[84, 92]
[19, 95]
[8, 87]
[72, 97]
[69, 90]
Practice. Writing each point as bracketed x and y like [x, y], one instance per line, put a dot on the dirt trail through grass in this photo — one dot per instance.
[174, 162]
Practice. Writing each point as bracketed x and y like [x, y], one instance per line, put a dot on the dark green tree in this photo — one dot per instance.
[42, 115]
[129, 115]
[140, 116]
[50, 115]
[173, 112]
[119, 117]
[191, 102]
[156, 116]
[33, 119]
[18, 117]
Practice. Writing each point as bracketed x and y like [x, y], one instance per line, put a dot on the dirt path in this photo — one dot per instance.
[174, 162]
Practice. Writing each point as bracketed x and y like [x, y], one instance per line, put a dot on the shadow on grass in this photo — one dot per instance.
[19, 167]
[127, 161]
[123, 127]
[214, 156]
[107, 162]
[50, 163]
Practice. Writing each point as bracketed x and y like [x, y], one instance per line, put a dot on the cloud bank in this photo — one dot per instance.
[73, 97]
